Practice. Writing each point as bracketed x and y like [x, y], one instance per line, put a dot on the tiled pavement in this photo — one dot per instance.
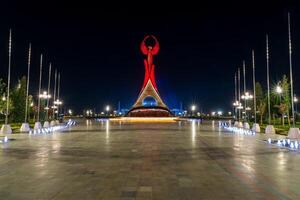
[182, 160]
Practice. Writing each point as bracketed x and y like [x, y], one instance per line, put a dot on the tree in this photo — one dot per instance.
[2, 97]
[18, 99]
[31, 110]
[281, 101]
[261, 104]
[282, 107]
[286, 96]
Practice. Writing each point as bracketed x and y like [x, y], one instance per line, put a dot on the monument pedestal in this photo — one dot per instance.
[270, 130]
[37, 125]
[6, 129]
[46, 124]
[240, 125]
[294, 133]
[236, 124]
[246, 125]
[52, 123]
[256, 128]
[25, 128]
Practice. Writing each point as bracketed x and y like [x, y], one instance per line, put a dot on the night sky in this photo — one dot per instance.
[96, 48]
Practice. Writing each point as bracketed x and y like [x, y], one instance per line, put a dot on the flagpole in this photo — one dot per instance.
[54, 94]
[291, 69]
[58, 90]
[235, 95]
[48, 92]
[270, 128]
[268, 78]
[8, 78]
[239, 86]
[28, 79]
[254, 89]
[244, 73]
[40, 84]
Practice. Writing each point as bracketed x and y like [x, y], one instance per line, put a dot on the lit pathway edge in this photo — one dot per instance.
[283, 143]
[53, 128]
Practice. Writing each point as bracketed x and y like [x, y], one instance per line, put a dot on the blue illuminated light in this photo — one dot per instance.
[149, 101]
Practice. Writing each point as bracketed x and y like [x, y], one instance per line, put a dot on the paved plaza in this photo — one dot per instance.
[113, 160]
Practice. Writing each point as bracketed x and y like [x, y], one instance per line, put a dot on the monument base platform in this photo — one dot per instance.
[146, 119]
[149, 112]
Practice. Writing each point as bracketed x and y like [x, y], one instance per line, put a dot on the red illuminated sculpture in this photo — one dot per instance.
[149, 102]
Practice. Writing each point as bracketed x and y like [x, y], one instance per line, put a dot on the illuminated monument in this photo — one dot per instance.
[149, 103]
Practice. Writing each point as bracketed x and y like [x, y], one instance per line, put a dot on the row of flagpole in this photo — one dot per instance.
[293, 132]
[6, 128]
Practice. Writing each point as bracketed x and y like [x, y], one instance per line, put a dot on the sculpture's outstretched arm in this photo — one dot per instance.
[144, 48]
[156, 47]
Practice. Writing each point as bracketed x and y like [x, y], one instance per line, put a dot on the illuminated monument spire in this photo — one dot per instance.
[149, 103]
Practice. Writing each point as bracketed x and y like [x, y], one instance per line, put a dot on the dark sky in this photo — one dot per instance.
[96, 48]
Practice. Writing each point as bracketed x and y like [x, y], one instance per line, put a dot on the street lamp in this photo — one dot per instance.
[57, 102]
[45, 95]
[70, 112]
[107, 109]
[296, 102]
[278, 89]
[193, 108]
[247, 96]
